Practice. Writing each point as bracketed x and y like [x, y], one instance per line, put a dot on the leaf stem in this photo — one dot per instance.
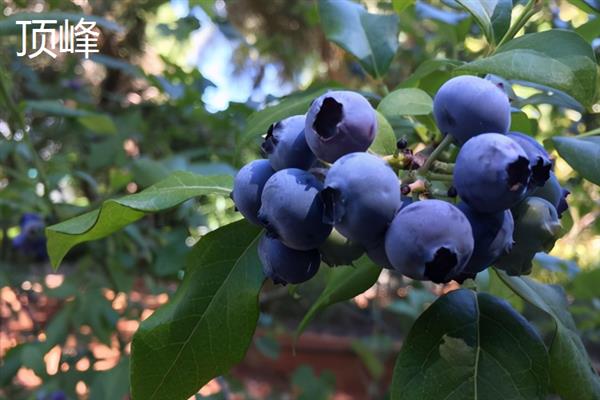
[522, 19]
[436, 153]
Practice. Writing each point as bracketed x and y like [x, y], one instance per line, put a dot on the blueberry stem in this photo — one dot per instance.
[439, 177]
[436, 153]
[440, 166]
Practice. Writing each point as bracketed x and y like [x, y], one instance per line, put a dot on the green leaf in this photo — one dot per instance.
[428, 67]
[8, 25]
[572, 374]
[343, 283]
[556, 58]
[207, 326]
[54, 107]
[385, 141]
[589, 6]
[401, 5]
[98, 123]
[493, 16]
[471, 345]
[258, 123]
[583, 154]
[371, 38]
[111, 384]
[589, 30]
[114, 214]
[411, 101]
[115, 63]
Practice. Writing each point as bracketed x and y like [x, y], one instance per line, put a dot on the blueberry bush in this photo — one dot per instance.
[456, 147]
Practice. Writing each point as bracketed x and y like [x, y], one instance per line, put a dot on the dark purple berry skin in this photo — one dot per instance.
[378, 256]
[285, 145]
[467, 106]
[554, 193]
[539, 159]
[248, 186]
[292, 210]
[339, 123]
[284, 265]
[376, 252]
[361, 196]
[429, 240]
[491, 173]
[31, 241]
[492, 235]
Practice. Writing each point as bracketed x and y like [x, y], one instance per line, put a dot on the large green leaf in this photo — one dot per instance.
[385, 141]
[371, 38]
[207, 326]
[583, 154]
[343, 283]
[117, 213]
[258, 123]
[468, 346]
[8, 25]
[410, 101]
[493, 16]
[571, 372]
[401, 5]
[556, 58]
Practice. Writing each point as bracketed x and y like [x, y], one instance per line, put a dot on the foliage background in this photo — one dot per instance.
[174, 88]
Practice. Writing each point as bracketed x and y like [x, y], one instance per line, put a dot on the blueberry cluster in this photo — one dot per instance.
[321, 196]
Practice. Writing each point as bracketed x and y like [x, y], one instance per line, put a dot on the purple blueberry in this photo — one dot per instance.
[492, 236]
[284, 265]
[429, 240]
[338, 123]
[292, 209]
[248, 186]
[539, 159]
[361, 196]
[285, 145]
[467, 106]
[554, 193]
[378, 256]
[31, 241]
[491, 173]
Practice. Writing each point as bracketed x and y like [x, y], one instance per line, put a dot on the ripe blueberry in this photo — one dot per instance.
[466, 106]
[378, 256]
[284, 265]
[248, 186]
[536, 229]
[292, 210]
[554, 193]
[337, 250]
[285, 145]
[539, 160]
[338, 123]
[429, 240]
[491, 173]
[492, 236]
[361, 196]
[31, 241]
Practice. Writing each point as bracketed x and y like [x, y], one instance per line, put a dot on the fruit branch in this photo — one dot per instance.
[436, 153]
